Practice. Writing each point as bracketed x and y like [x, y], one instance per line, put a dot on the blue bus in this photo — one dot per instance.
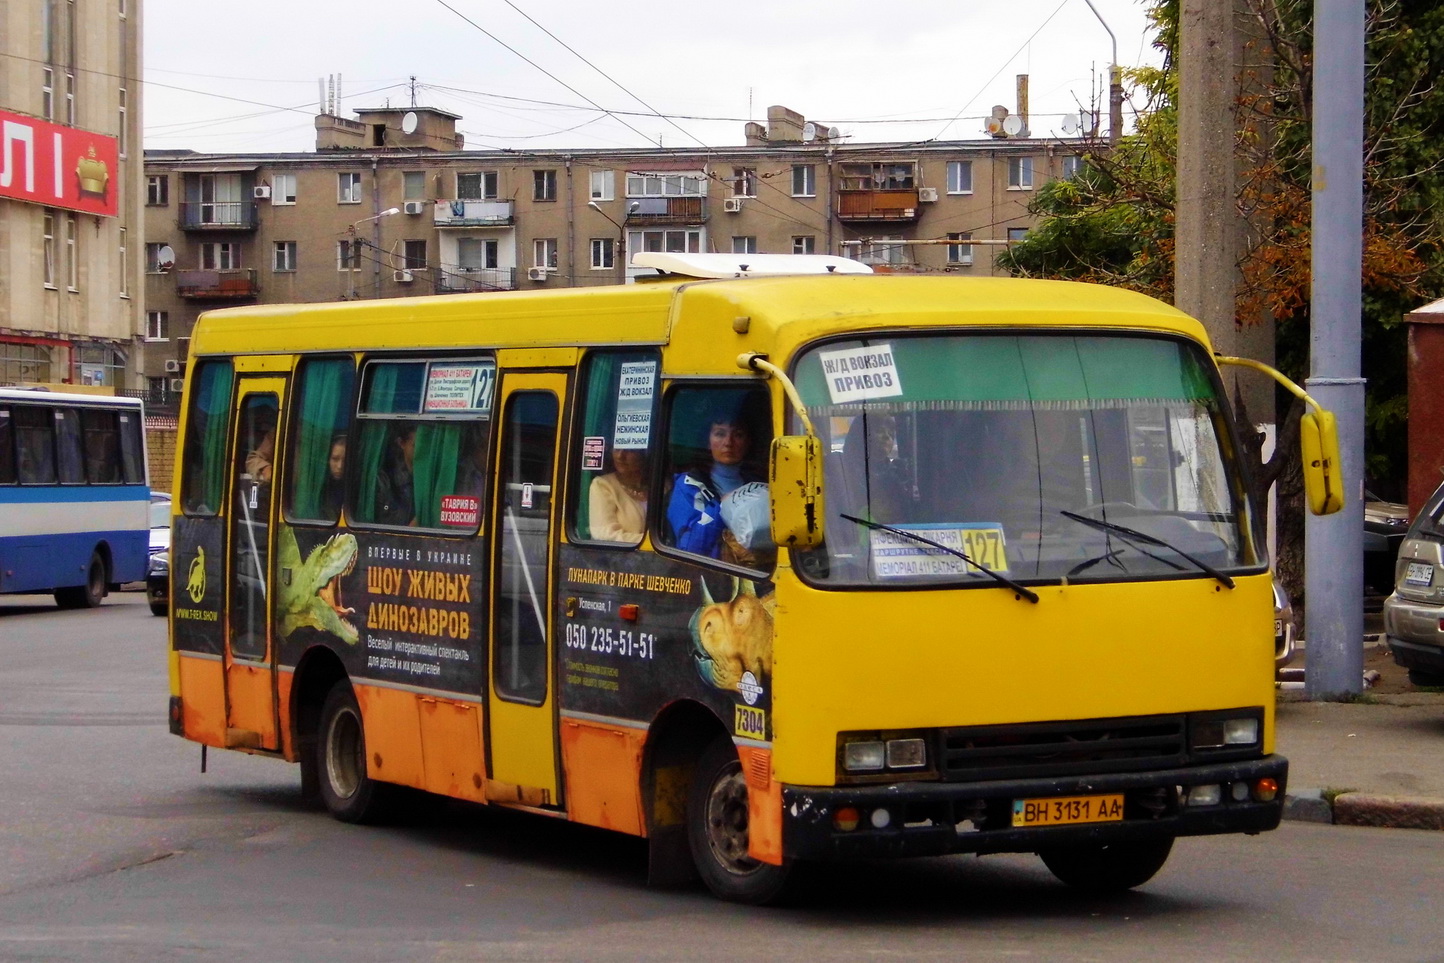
[74, 494]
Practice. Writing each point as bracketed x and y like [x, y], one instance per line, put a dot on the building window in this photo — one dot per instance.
[603, 186]
[960, 177]
[879, 252]
[603, 254]
[1017, 234]
[157, 326]
[124, 265]
[284, 256]
[220, 256]
[1020, 173]
[414, 255]
[744, 245]
[544, 185]
[867, 176]
[283, 189]
[744, 182]
[348, 188]
[49, 248]
[157, 190]
[121, 140]
[804, 244]
[672, 242]
[665, 185]
[47, 93]
[70, 99]
[1072, 165]
[413, 185]
[804, 180]
[477, 186]
[348, 255]
[152, 257]
[544, 253]
[72, 252]
[961, 252]
[475, 254]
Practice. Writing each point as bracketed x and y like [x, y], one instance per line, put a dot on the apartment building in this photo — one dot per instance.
[70, 183]
[390, 205]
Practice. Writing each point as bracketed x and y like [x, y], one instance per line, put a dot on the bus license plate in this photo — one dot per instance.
[1067, 810]
[1419, 573]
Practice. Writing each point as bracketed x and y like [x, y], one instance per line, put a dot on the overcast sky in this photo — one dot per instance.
[226, 77]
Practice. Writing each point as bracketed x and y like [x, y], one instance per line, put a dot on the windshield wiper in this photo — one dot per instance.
[1128, 534]
[1025, 592]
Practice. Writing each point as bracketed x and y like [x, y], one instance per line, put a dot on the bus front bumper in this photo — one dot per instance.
[935, 818]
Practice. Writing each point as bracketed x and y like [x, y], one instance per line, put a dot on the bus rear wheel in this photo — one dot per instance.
[349, 793]
[89, 595]
[1110, 867]
[717, 818]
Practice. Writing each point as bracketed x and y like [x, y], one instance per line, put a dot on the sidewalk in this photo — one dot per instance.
[1375, 762]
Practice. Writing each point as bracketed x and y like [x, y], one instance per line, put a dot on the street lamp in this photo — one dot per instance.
[1115, 83]
[621, 254]
[375, 244]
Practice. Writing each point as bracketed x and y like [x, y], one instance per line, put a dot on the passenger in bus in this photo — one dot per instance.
[731, 471]
[334, 492]
[259, 458]
[617, 501]
[395, 486]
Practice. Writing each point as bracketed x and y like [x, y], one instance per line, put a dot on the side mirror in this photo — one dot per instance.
[796, 491]
[1323, 476]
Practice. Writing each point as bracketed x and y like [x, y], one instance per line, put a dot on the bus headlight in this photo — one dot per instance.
[863, 756]
[873, 756]
[1225, 730]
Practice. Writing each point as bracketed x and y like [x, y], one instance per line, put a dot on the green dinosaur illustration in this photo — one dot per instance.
[308, 596]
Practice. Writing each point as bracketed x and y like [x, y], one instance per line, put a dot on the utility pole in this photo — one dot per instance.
[1334, 654]
[1115, 84]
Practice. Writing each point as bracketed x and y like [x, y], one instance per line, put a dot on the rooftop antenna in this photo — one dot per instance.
[321, 94]
[413, 90]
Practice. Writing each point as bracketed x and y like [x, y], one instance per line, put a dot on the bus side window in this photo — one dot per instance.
[7, 448]
[613, 466]
[132, 449]
[205, 456]
[67, 436]
[35, 439]
[102, 446]
[319, 443]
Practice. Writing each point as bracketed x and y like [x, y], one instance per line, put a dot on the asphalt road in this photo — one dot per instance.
[113, 846]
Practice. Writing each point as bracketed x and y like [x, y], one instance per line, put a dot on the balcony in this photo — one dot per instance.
[216, 285]
[469, 213]
[667, 210]
[218, 216]
[455, 279]
[881, 205]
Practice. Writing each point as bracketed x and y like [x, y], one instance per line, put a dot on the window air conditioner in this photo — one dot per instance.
[731, 204]
[172, 366]
[413, 207]
[927, 194]
[538, 273]
[402, 277]
[177, 385]
[261, 192]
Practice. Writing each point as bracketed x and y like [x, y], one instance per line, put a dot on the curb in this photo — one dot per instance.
[1365, 809]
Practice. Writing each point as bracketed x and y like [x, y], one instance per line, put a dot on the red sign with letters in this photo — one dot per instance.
[56, 166]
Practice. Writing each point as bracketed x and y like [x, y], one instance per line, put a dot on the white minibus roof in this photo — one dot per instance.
[747, 265]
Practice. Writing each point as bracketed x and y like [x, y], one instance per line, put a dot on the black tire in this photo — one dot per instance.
[350, 794]
[1426, 679]
[1108, 868]
[717, 831]
[158, 608]
[89, 595]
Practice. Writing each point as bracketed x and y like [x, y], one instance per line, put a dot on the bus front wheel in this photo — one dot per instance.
[1108, 868]
[717, 818]
[89, 595]
[349, 793]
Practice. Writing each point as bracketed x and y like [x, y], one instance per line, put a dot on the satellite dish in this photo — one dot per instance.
[834, 133]
[165, 258]
[1070, 123]
[1012, 124]
[809, 131]
[408, 122]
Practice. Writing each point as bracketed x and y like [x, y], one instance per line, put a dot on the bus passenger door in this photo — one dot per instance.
[249, 654]
[522, 712]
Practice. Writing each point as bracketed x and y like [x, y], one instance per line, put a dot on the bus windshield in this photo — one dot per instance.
[1040, 457]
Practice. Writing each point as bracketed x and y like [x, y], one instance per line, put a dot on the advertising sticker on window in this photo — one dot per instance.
[594, 452]
[861, 374]
[634, 405]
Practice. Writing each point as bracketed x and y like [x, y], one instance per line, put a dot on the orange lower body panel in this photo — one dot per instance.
[603, 768]
[202, 684]
[764, 805]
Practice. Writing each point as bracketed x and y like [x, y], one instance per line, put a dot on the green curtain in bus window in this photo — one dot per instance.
[7, 449]
[433, 469]
[206, 462]
[324, 415]
[380, 396]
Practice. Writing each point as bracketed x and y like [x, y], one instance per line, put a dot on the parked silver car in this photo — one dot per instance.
[1413, 614]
